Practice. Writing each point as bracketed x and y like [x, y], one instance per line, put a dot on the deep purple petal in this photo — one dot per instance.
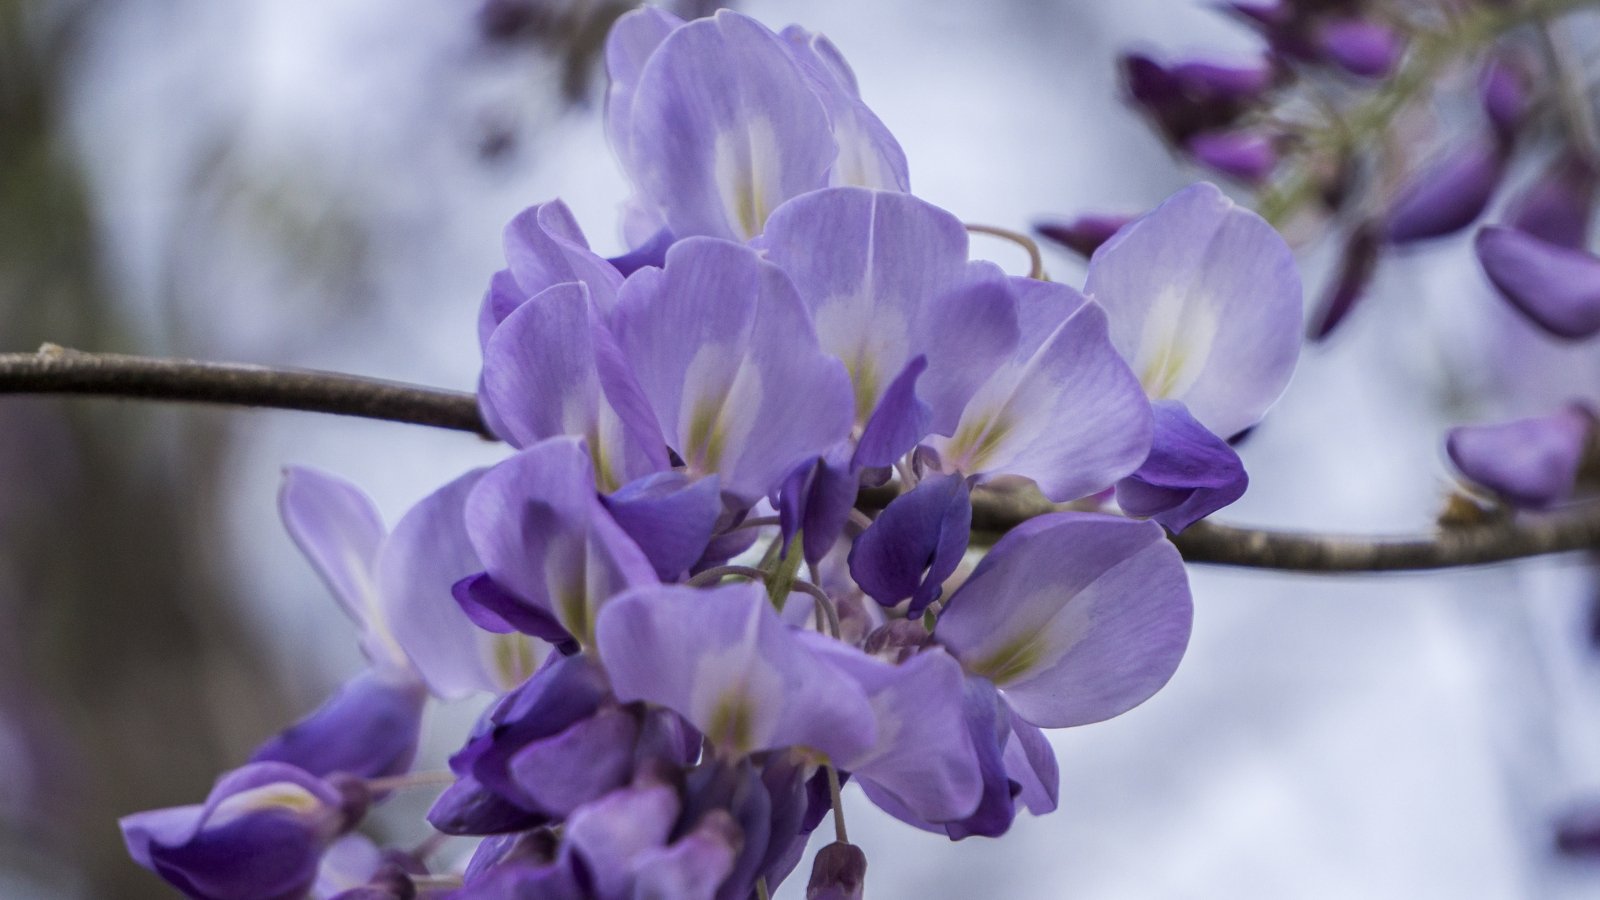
[1249, 156]
[369, 728]
[1203, 299]
[467, 807]
[1530, 462]
[1557, 206]
[693, 866]
[1556, 287]
[817, 497]
[651, 253]
[723, 660]
[897, 424]
[988, 722]
[1360, 47]
[729, 362]
[669, 516]
[1065, 370]
[589, 759]
[1448, 194]
[611, 833]
[1077, 617]
[723, 127]
[915, 543]
[493, 608]
[1084, 234]
[1189, 474]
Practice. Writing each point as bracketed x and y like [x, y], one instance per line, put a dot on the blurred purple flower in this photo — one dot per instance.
[1530, 462]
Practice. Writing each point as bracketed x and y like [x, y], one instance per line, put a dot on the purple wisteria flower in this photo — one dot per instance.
[260, 835]
[719, 121]
[1203, 300]
[688, 635]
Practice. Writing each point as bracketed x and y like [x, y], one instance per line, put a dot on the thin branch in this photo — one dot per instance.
[54, 370]
[57, 370]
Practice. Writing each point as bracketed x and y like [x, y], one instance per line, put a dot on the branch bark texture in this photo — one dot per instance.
[56, 370]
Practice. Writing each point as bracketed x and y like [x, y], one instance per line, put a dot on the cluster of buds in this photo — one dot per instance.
[1315, 125]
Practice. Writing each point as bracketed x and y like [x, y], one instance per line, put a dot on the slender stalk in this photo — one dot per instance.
[839, 833]
[57, 371]
[1035, 258]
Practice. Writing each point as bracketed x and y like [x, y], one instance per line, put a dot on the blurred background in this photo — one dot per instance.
[322, 183]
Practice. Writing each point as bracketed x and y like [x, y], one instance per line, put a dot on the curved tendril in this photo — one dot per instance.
[1035, 258]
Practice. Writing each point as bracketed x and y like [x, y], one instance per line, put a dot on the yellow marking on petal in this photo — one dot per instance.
[864, 377]
[976, 441]
[707, 437]
[1161, 375]
[514, 658]
[732, 722]
[1013, 660]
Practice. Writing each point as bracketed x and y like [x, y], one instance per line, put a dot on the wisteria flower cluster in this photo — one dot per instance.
[690, 634]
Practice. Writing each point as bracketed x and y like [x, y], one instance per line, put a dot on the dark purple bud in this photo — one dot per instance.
[1357, 262]
[669, 516]
[1527, 462]
[1084, 234]
[915, 543]
[1448, 194]
[1360, 47]
[815, 501]
[1578, 832]
[1556, 287]
[1505, 89]
[1189, 474]
[1215, 81]
[839, 873]
[369, 728]
[1246, 155]
[1556, 207]
[1194, 96]
[261, 833]
[537, 847]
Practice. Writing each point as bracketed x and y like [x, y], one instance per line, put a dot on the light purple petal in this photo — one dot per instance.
[423, 559]
[886, 278]
[368, 728]
[1031, 763]
[537, 524]
[924, 756]
[722, 659]
[1065, 411]
[869, 156]
[541, 376]
[728, 360]
[339, 530]
[694, 865]
[629, 44]
[1204, 302]
[1189, 474]
[1530, 462]
[1557, 287]
[1076, 617]
[724, 127]
[544, 247]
